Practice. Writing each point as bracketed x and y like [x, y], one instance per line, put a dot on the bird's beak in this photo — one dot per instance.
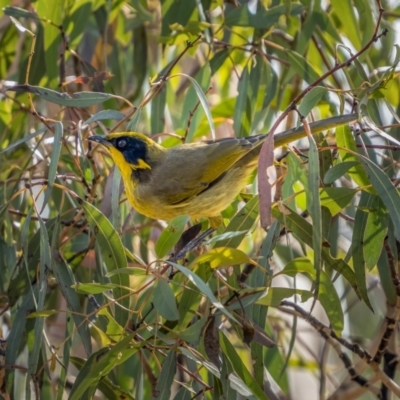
[100, 139]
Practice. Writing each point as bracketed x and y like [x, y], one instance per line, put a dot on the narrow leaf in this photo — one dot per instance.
[223, 257]
[203, 288]
[164, 301]
[386, 191]
[327, 295]
[203, 101]
[170, 235]
[54, 159]
[345, 142]
[275, 295]
[302, 229]
[80, 99]
[375, 232]
[336, 198]
[164, 382]
[239, 367]
[243, 221]
[338, 170]
[100, 364]
[105, 114]
[114, 257]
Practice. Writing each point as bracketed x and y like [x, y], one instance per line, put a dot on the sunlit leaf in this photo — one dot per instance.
[336, 198]
[222, 257]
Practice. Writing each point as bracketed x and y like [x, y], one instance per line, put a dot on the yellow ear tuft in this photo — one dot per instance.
[141, 165]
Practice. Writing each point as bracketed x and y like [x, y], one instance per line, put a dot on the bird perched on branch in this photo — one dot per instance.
[195, 179]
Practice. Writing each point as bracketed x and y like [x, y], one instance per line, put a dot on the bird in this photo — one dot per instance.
[199, 179]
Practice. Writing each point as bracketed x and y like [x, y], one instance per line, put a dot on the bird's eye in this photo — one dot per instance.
[121, 143]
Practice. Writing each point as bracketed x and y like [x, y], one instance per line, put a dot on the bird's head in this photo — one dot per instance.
[129, 150]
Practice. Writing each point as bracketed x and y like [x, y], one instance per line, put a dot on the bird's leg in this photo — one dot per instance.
[186, 237]
[189, 246]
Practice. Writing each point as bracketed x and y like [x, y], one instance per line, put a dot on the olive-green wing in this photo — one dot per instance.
[196, 167]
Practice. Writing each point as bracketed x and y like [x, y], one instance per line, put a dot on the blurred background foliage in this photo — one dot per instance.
[91, 308]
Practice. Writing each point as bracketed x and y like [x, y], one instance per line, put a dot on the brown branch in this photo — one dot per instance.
[393, 316]
[354, 348]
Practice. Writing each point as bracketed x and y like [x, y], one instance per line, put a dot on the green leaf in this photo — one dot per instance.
[239, 367]
[375, 232]
[164, 301]
[110, 390]
[43, 313]
[45, 265]
[192, 333]
[344, 9]
[243, 221]
[65, 279]
[18, 12]
[218, 60]
[327, 293]
[189, 301]
[54, 159]
[336, 198]
[338, 170]
[314, 207]
[175, 12]
[100, 364]
[311, 99]
[262, 19]
[225, 236]
[302, 67]
[386, 191]
[157, 122]
[386, 279]
[114, 330]
[80, 99]
[93, 288]
[25, 274]
[242, 114]
[52, 11]
[128, 271]
[275, 295]
[219, 257]
[105, 114]
[203, 288]
[345, 142]
[114, 257]
[184, 394]
[17, 334]
[165, 380]
[302, 229]
[23, 140]
[357, 243]
[248, 297]
[76, 21]
[67, 346]
[139, 64]
[202, 97]
[170, 235]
